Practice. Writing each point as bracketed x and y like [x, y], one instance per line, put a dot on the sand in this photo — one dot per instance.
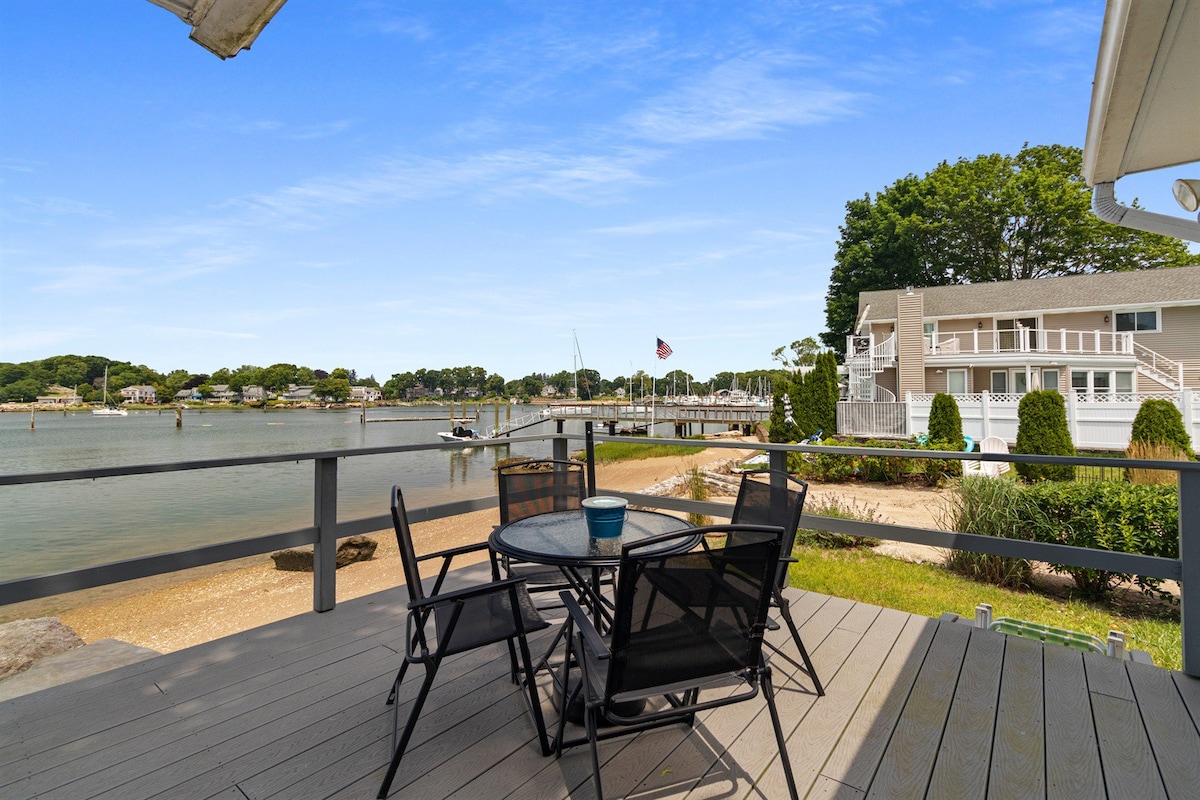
[168, 613]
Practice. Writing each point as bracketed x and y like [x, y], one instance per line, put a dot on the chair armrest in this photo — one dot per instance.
[495, 587]
[454, 551]
[587, 630]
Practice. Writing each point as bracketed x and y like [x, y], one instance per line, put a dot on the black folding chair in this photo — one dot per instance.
[538, 486]
[461, 620]
[684, 624]
[779, 502]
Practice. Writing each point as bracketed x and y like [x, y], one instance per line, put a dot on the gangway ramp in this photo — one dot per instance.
[519, 423]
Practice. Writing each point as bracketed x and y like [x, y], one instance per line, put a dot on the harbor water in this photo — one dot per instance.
[51, 527]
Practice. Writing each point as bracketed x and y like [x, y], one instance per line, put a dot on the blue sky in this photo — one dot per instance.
[386, 186]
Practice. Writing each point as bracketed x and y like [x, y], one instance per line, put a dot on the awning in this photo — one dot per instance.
[224, 27]
[1145, 111]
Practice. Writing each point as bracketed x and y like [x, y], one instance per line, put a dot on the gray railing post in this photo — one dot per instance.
[1189, 559]
[325, 548]
[559, 445]
[777, 460]
[590, 457]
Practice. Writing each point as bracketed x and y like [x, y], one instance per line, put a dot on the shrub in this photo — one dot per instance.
[945, 421]
[1162, 451]
[1159, 422]
[937, 470]
[1107, 516]
[832, 467]
[696, 488]
[838, 508]
[1042, 430]
[989, 507]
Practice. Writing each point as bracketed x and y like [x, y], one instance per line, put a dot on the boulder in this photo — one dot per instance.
[356, 548]
[24, 641]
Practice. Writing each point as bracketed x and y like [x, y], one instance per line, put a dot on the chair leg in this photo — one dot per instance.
[785, 762]
[786, 613]
[396, 683]
[398, 752]
[535, 703]
[589, 719]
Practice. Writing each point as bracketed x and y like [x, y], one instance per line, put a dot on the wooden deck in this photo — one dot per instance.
[915, 708]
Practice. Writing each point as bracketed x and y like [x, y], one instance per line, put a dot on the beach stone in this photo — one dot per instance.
[24, 641]
[356, 548]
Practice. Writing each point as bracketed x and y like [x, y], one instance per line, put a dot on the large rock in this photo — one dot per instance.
[24, 641]
[356, 548]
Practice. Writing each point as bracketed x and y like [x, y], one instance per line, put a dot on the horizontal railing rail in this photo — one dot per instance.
[325, 531]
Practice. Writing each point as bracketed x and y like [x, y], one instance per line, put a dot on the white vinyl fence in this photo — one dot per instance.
[1097, 421]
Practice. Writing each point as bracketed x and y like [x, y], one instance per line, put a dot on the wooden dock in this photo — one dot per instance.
[915, 708]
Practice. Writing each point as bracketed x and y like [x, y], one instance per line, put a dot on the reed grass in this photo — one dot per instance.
[614, 452]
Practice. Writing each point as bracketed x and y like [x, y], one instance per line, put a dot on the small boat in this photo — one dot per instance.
[107, 410]
[459, 434]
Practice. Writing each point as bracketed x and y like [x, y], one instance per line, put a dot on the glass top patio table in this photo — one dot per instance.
[560, 538]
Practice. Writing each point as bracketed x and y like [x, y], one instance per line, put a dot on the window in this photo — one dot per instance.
[1079, 382]
[999, 382]
[1136, 321]
[956, 381]
[1102, 382]
[1124, 382]
[1050, 379]
[929, 331]
[1019, 385]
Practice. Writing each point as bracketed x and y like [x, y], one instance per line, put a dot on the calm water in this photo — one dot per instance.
[52, 527]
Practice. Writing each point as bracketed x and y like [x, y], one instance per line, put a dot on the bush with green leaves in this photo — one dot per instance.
[945, 421]
[1159, 422]
[1042, 430]
[838, 508]
[989, 507]
[1107, 515]
[884, 467]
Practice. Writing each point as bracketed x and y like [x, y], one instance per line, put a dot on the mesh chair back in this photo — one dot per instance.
[408, 556]
[540, 486]
[685, 618]
[761, 503]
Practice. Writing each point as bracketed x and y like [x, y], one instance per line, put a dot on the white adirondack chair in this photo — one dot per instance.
[993, 469]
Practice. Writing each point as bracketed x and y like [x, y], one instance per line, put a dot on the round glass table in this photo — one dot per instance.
[560, 538]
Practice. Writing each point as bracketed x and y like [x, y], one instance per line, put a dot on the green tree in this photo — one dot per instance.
[990, 218]
[336, 390]
[1042, 430]
[800, 353]
[1160, 422]
[945, 421]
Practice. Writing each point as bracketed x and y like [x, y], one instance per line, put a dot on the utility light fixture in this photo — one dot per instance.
[1187, 194]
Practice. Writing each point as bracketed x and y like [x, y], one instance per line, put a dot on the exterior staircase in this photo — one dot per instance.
[1158, 367]
[864, 360]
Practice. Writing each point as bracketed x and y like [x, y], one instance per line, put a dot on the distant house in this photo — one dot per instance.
[472, 391]
[69, 399]
[1109, 338]
[184, 395]
[297, 394]
[416, 392]
[549, 391]
[252, 394]
[221, 393]
[138, 394]
[369, 394]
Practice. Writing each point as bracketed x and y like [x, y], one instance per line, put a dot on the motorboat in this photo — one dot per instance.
[460, 434]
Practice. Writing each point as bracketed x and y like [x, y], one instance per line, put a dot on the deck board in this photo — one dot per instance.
[914, 707]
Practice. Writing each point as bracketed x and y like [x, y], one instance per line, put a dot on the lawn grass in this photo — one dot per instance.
[931, 590]
[613, 452]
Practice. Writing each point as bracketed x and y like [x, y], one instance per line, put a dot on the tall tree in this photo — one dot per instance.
[990, 218]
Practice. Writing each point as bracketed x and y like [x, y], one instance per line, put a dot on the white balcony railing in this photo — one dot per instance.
[1030, 340]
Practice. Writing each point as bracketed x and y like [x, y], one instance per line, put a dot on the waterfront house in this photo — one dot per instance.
[369, 394]
[1108, 338]
[297, 394]
[138, 394]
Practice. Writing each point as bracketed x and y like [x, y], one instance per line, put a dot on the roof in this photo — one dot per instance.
[1145, 111]
[1168, 286]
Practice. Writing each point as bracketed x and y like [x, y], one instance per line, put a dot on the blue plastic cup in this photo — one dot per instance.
[605, 516]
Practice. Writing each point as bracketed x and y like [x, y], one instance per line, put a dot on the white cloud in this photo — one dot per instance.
[88, 277]
[738, 99]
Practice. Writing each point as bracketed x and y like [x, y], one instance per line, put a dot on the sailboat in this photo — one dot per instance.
[107, 410]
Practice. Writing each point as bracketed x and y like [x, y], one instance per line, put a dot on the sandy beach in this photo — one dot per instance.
[169, 613]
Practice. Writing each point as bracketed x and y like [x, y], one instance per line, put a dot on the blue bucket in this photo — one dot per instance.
[605, 516]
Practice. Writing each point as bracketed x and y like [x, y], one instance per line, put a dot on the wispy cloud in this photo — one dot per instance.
[87, 277]
[666, 225]
[740, 99]
[204, 333]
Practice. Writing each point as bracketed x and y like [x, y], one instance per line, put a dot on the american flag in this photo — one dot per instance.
[663, 349]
